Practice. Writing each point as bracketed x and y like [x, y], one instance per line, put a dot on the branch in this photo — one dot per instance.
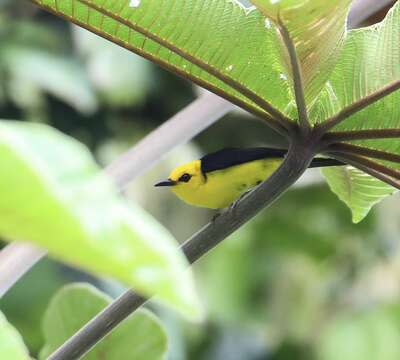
[355, 163]
[357, 107]
[333, 137]
[297, 78]
[296, 162]
[186, 124]
[373, 165]
[363, 151]
[15, 260]
[363, 9]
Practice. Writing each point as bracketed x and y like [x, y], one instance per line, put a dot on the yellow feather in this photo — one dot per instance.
[220, 188]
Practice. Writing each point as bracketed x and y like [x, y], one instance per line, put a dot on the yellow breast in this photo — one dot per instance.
[223, 187]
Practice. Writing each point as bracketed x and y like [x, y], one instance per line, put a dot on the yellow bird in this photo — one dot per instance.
[216, 180]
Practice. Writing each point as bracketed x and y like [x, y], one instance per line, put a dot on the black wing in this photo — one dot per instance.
[226, 158]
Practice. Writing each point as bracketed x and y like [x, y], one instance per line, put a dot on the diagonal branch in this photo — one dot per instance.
[295, 163]
[357, 164]
[363, 151]
[297, 78]
[357, 106]
[333, 137]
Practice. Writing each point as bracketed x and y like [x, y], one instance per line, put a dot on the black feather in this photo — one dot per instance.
[228, 157]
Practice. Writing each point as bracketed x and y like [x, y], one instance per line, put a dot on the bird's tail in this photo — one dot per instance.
[322, 162]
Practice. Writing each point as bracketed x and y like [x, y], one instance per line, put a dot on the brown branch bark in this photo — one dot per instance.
[297, 78]
[373, 165]
[334, 137]
[363, 151]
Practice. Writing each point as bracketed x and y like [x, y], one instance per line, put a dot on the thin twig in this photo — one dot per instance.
[353, 162]
[334, 137]
[373, 165]
[296, 162]
[15, 260]
[186, 124]
[357, 106]
[297, 78]
[363, 151]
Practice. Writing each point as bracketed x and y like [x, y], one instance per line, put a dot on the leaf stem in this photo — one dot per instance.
[357, 106]
[369, 164]
[296, 162]
[363, 151]
[333, 137]
[236, 85]
[355, 162]
[297, 78]
[250, 107]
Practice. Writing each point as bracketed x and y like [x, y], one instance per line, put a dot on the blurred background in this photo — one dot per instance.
[298, 282]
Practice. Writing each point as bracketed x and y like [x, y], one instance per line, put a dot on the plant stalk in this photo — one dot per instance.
[364, 151]
[334, 137]
[296, 162]
[364, 163]
[357, 164]
[297, 79]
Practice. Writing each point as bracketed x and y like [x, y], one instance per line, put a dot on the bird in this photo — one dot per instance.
[217, 180]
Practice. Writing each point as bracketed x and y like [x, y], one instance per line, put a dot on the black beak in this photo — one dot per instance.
[166, 183]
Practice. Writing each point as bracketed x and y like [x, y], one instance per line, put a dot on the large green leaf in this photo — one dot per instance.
[52, 194]
[12, 346]
[369, 61]
[317, 29]
[359, 191]
[140, 337]
[203, 40]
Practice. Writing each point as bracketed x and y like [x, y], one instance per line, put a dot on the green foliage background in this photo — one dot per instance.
[299, 282]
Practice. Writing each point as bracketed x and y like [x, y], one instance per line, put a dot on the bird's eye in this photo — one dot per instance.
[185, 177]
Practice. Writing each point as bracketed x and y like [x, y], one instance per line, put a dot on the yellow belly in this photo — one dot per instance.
[223, 187]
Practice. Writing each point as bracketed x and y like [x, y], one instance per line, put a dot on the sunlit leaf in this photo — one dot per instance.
[52, 194]
[205, 41]
[370, 60]
[359, 191]
[140, 337]
[12, 346]
[317, 29]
